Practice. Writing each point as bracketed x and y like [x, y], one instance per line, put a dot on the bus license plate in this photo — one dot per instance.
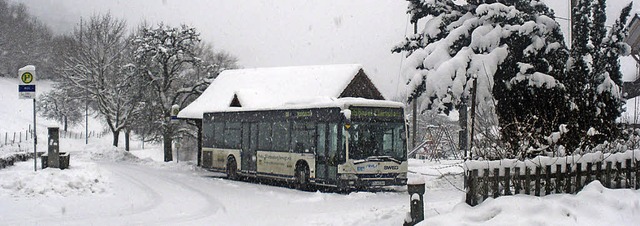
[378, 183]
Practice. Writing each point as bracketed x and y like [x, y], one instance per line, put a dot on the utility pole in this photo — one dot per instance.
[414, 105]
[473, 112]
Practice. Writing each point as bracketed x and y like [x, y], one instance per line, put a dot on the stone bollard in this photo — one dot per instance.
[415, 187]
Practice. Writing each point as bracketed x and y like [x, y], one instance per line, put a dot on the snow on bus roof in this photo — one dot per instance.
[321, 102]
[274, 88]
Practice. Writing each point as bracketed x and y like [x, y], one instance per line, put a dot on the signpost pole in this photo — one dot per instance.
[27, 90]
[35, 138]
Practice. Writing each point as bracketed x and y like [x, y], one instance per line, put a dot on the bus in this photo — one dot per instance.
[345, 143]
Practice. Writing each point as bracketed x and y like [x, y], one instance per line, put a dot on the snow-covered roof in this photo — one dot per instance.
[268, 88]
[323, 102]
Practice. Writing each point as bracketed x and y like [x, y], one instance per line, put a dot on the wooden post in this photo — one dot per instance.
[485, 185]
[496, 179]
[578, 177]
[199, 126]
[588, 179]
[517, 181]
[608, 175]
[599, 171]
[538, 175]
[559, 178]
[471, 192]
[618, 177]
[507, 177]
[527, 180]
[567, 183]
[630, 181]
[547, 184]
[637, 169]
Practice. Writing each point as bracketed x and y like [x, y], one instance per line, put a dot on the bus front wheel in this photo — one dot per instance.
[302, 177]
[232, 169]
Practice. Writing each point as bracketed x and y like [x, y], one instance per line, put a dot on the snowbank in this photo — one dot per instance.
[594, 205]
[80, 179]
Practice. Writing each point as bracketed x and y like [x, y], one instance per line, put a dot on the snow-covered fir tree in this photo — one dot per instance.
[514, 49]
[594, 78]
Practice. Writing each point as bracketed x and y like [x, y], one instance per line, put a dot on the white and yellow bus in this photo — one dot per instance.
[345, 143]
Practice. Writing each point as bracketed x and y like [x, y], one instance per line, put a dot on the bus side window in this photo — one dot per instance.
[321, 139]
[218, 134]
[264, 136]
[303, 137]
[333, 142]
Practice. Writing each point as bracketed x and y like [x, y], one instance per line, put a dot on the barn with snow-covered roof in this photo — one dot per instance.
[278, 87]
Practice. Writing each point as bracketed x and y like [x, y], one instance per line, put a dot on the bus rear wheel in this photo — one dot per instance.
[232, 169]
[302, 178]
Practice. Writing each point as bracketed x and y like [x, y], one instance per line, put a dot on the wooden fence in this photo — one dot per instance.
[18, 137]
[544, 179]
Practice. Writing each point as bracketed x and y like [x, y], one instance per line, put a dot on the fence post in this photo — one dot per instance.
[567, 184]
[637, 169]
[559, 178]
[538, 175]
[496, 179]
[618, 177]
[547, 179]
[507, 178]
[20, 140]
[14, 138]
[630, 180]
[578, 177]
[608, 175]
[485, 184]
[471, 193]
[6, 135]
[527, 180]
[589, 173]
[517, 181]
[599, 171]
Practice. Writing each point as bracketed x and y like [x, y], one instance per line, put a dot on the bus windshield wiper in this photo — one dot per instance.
[382, 158]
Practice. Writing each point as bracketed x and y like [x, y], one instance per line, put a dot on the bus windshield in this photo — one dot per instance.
[377, 139]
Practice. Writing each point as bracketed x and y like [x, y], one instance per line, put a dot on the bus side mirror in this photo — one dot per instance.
[346, 117]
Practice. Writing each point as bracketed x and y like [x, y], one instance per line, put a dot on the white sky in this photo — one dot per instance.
[266, 33]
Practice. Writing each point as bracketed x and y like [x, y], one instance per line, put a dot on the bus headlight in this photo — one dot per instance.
[348, 176]
[402, 176]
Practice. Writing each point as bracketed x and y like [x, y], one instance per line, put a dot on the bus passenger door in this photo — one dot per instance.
[321, 152]
[326, 153]
[249, 138]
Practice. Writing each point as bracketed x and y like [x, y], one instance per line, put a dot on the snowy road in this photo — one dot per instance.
[143, 193]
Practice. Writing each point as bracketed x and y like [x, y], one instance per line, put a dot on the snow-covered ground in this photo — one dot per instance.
[107, 186]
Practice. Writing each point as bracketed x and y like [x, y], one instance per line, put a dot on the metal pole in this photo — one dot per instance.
[414, 119]
[473, 113]
[86, 120]
[35, 138]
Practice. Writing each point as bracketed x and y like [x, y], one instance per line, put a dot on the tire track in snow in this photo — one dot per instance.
[210, 205]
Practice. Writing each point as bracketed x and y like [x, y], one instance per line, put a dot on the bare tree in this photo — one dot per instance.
[95, 66]
[166, 57]
[61, 106]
